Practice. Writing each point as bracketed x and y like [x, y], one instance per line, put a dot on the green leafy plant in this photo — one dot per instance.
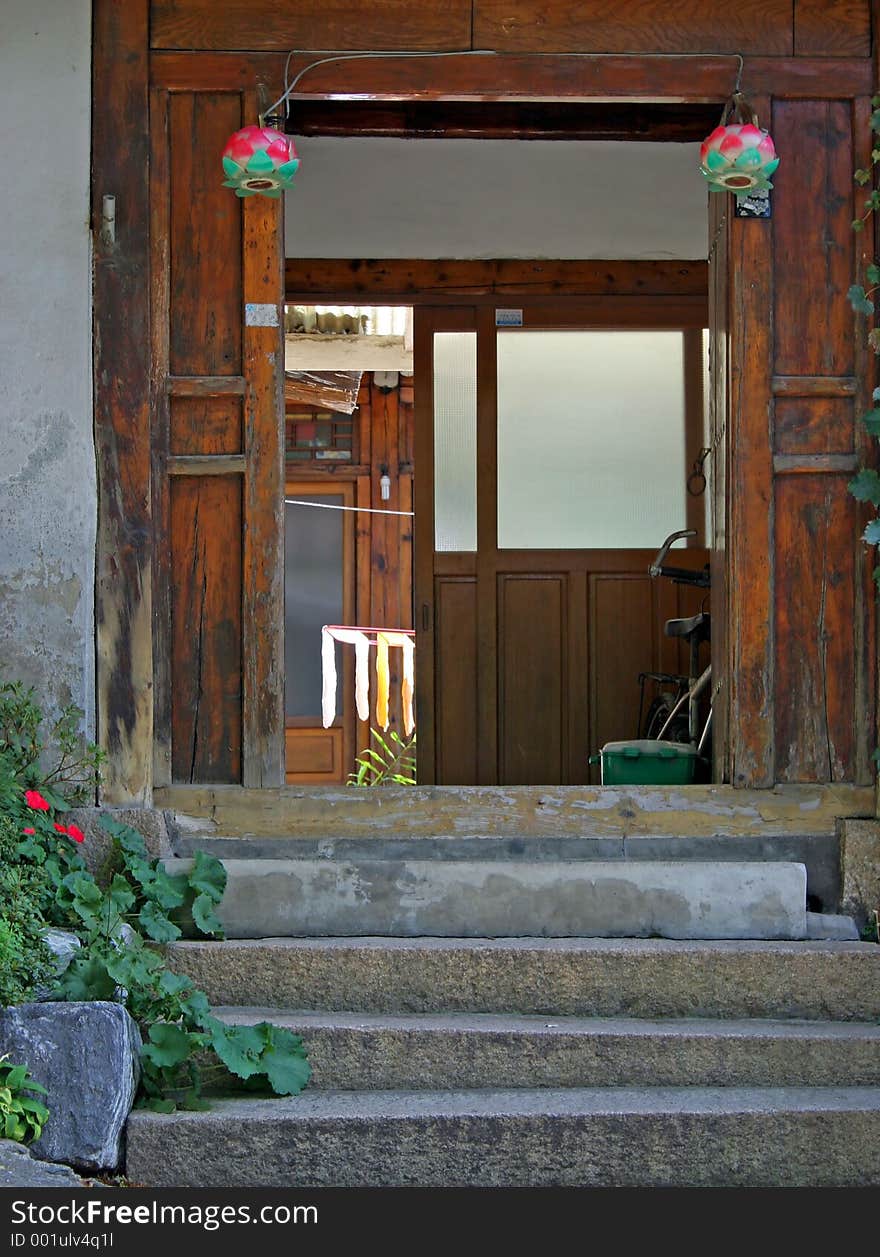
[119, 921]
[389, 761]
[72, 772]
[865, 486]
[22, 1117]
[25, 961]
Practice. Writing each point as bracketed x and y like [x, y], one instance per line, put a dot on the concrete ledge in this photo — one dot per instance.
[578, 977]
[658, 1137]
[387, 1051]
[475, 899]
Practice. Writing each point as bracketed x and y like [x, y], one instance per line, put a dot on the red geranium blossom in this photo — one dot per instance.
[71, 831]
[28, 831]
[35, 800]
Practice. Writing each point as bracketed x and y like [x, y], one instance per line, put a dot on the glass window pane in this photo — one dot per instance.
[312, 596]
[455, 440]
[590, 439]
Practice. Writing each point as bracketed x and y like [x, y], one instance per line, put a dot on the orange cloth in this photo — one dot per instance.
[383, 680]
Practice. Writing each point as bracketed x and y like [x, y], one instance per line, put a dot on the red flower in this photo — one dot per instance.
[71, 831]
[28, 831]
[35, 800]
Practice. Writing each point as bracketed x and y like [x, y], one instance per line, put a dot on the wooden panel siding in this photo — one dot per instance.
[813, 251]
[205, 311]
[832, 28]
[385, 24]
[813, 425]
[206, 610]
[206, 425]
[758, 26]
[815, 588]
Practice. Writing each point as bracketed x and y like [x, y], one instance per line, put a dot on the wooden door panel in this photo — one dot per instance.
[532, 679]
[623, 640]
[318, 755]
[455, 668]
[206, 628]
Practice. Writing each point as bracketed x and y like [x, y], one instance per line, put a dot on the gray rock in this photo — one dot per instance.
[87, 1056]
[63, 944]
[19, 1169]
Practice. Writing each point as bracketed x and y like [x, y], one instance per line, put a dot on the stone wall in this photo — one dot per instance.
[48, 501]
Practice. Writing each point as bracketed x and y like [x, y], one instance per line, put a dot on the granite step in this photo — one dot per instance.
[659, 1137]
[432, 1051]
[642, 978]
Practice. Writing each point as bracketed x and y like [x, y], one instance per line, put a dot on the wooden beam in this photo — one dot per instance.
[263, 743]
[359, 279]
[506, 120]
[832, 28]
[206, 385]
[814, 385]
[206, 464]
[516, 77]
[123, 606]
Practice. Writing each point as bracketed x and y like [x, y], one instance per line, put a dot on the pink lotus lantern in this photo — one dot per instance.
[259, 161]
[738, 156]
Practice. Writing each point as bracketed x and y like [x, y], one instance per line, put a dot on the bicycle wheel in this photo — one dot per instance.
[657, 715]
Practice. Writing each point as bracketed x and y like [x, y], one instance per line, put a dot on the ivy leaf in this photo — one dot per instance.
[872, 533]
[865, 487]
[205, 917]
[859, 302]
[875, 120]
[156, 924]
[120, 894]
[129, 839]
[196, 1005]
[168, 1045]
[862, 176]
[873, 273]
[86, 978]
[208, 876]
[173, 983]
[285, 1062]
[874, 339]
[872, 421]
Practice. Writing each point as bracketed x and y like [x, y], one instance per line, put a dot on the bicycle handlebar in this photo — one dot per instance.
[684, 575]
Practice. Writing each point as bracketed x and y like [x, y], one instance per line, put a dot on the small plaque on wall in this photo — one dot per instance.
[753, 205]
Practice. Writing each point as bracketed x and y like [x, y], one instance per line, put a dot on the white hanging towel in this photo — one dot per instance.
[361, 643]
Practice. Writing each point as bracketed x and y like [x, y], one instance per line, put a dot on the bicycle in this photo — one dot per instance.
[674, 715]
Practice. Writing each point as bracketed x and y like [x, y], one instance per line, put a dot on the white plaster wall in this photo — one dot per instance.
[48, 499]
[496, 199]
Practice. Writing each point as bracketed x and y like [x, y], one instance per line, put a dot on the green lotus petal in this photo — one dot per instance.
[245, 192]
[749, 159]
[716, 160]
[770, 166]
[231, 167]
[260, 164]
[289, 169]
[232, 183]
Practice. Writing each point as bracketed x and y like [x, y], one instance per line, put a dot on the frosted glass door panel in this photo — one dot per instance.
[313, 596]
[590, 439]
[455, 440]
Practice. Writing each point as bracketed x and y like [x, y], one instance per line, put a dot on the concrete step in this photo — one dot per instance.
[478, 899]
[412, 1052]
[578, 1137]
[645, 978]
[819, 853]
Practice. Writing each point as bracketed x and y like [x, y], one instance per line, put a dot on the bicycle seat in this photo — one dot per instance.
[697, 626]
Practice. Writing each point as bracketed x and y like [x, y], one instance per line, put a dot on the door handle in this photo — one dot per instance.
[426, 617]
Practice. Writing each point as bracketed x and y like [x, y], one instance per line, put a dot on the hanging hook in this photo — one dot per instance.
[696, 481]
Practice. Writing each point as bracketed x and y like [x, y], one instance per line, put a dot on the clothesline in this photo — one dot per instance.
[331, 506]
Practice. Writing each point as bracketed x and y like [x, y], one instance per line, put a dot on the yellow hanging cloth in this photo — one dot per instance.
[383, 680]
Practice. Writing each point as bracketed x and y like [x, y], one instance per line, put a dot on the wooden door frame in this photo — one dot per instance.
[485, 564]
[123, 69]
